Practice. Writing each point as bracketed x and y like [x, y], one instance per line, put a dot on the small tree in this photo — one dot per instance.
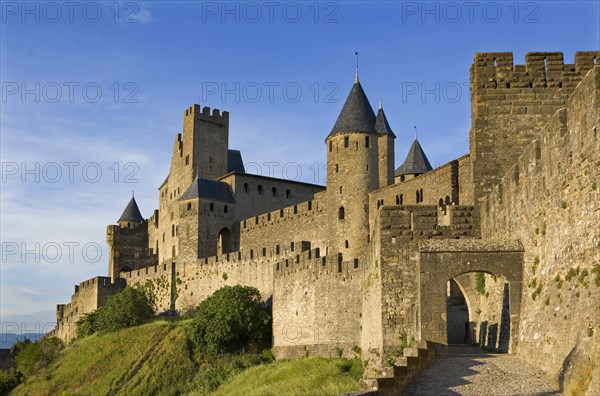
[32, 357]
[86, 325]
[231, 320]
[9, 380]
[130, 307]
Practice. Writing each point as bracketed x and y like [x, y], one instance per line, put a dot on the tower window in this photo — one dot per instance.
[341, 189]
[401, 199]
[340, 261]
[330, 146]
[274, 190]
[264, 252]
[346, 244]
[260, 189]
[245, 187]
[212, 207]
[367, 141]
[225, 209]
[292, 246]
[309, 205]
[173, 230]
[189, 206]
[337, 168]
[277, 249]
[288, 193]
[341, 213]
[355, 263]
[346, 142]
[187, 159]
[295, 209]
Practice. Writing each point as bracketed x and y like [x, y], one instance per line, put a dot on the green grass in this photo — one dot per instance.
[306, 376]
[155, 358]
[158, 358]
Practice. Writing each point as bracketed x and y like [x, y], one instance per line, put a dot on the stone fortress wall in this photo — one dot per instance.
[550, 200]
[340, 281]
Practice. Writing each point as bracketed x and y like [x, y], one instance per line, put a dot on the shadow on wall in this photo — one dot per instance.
[494, 336]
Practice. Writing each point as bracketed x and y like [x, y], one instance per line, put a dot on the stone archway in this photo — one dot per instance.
[441, 260]
[224, 242]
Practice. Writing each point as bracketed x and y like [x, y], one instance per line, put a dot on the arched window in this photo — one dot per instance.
[346, 142]
[341, 213]
[288, 193]
[189, 206]
[245, 187]
[447, 200]
[225, 209]
[260, 189]
[274, 190]
[441, 203]
[397, 199]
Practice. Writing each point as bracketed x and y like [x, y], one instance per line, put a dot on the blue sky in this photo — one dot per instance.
[93, 95]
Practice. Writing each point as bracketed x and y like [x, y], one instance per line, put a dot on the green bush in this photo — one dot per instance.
[233, 319]
[32, 357]
[86, 325]
[131, 307]
[9, 380]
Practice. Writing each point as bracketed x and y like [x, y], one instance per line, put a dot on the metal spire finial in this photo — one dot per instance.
[356, 53]
[415, 132]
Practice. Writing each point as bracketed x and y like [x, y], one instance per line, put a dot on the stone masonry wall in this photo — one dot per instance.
[510, 104]
[88, 296]
[550, 200]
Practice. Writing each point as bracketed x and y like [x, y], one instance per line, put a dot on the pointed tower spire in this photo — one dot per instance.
[415, 132]
[131, 213]
[357, 114]
[382, 127]
[416, 161]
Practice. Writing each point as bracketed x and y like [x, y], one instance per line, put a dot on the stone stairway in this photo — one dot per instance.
[397, 377]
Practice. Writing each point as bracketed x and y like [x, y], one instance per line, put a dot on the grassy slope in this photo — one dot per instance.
[308, 376]
[157, 358]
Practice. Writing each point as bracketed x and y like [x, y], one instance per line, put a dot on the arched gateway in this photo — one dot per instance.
[442, 260]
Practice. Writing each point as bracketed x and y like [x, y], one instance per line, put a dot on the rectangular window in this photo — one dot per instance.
[367, 141]
[355, 263]
[346, 142]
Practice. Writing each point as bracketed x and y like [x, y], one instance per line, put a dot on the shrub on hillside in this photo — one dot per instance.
[233, 319]
[31, 357]
[131, 307]
[9, 380]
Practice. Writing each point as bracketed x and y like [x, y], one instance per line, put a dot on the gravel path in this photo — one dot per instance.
[472, 372]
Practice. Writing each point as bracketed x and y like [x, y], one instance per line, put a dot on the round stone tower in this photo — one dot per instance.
[352, 171]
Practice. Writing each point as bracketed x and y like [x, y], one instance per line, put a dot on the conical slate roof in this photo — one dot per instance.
[131, 212]
[382, 127]
[209, 189]
[416, 161]
[356, 115]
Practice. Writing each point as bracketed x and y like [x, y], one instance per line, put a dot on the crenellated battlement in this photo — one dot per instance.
[496, 70]
[303, 209]
[204, 114]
